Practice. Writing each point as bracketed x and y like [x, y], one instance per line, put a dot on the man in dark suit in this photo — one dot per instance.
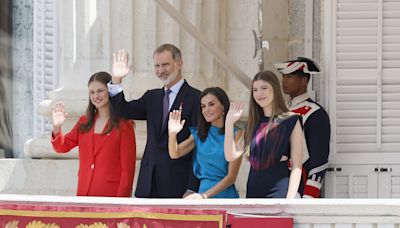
[159, 176]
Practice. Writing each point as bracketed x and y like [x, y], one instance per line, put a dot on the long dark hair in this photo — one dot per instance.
[223, 98]
[256, 112]
[91, 110]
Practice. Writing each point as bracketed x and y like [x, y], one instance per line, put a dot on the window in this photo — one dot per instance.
[365, 80]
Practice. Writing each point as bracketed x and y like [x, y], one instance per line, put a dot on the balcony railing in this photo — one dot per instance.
[332, 213]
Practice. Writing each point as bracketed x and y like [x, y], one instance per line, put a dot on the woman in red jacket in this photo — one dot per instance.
[107, 147]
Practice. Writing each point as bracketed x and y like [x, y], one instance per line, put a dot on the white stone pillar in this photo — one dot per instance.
[242, 18]
[213, 23]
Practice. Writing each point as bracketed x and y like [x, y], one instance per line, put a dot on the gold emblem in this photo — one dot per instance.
[12, 224]
[39, 224]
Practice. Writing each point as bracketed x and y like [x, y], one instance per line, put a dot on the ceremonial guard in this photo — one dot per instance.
[296, 75]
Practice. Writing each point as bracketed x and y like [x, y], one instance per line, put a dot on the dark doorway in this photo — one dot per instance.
[5, 79]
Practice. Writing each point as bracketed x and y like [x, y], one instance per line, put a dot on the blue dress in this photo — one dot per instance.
[269, 177]
[209, 163]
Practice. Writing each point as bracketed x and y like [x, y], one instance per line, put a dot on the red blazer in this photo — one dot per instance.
[106, 168]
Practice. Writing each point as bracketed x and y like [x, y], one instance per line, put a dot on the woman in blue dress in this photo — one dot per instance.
[273, 141]
[216, 175]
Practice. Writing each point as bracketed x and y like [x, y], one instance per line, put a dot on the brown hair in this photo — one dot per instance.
[256, 112]
[104, 78]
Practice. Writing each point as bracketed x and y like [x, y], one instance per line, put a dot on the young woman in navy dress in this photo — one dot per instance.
[273, 141]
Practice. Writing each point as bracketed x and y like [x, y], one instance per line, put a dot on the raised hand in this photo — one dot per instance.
[235, 112]
[120, 67]
[175, 124]
[59, 116]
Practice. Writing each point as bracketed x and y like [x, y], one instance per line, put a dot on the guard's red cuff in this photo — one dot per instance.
[312, 189]
[311, 192]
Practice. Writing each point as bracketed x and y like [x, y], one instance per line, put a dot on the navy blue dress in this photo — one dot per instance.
[269, 177]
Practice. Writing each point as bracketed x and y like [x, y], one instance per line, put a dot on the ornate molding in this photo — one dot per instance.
[45, 61]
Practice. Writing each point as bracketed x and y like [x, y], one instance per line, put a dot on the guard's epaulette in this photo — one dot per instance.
[305, 109]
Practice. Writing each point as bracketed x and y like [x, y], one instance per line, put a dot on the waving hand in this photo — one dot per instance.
[121, 67]
[175, 124]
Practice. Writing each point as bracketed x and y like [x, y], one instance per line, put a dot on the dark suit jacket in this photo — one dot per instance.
[160, 176]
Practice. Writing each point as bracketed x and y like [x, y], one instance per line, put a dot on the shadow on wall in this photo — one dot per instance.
[5, 85]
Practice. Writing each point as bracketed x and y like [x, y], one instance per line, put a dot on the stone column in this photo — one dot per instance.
[296, 44]
[242, 18]
[22, 47]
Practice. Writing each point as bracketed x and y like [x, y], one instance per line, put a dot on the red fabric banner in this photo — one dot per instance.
[13, 215]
